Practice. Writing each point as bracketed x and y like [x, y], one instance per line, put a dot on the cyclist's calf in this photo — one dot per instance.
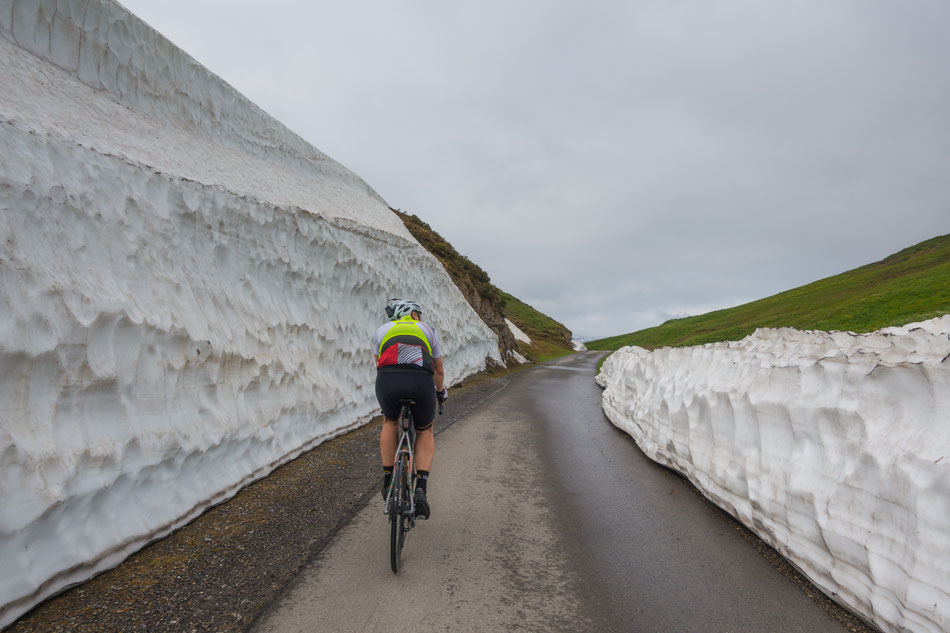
[388, 440]
[425, 448]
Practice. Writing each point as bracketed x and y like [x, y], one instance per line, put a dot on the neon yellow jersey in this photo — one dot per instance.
[406, 326]
[406, 344]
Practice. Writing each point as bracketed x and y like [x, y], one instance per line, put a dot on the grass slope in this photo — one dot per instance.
[912, 285]
[466, 274]
[549, 339]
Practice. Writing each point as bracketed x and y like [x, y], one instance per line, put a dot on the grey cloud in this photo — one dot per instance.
[619, 163]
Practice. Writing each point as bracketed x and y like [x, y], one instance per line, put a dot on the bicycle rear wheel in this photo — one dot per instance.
[397, 509]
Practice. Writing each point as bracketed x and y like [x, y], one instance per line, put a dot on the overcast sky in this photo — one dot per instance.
[615, 163]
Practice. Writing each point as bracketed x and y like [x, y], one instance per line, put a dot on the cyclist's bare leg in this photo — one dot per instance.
[425, 449]
[388, 440]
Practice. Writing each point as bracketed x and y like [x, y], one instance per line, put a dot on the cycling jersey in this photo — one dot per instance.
[406, 344]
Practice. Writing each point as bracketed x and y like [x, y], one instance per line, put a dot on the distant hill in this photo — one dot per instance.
[549, 339]
[911, 285]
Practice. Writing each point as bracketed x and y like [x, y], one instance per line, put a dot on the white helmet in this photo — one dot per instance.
[399, 308]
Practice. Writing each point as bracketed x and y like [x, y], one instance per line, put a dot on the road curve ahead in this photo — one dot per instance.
[547, 518]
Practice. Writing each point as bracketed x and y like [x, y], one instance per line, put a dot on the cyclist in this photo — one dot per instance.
[408, 357]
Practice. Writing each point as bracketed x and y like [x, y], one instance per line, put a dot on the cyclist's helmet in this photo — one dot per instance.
[399, 308]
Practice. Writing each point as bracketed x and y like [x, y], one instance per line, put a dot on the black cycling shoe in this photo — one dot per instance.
[422, 504]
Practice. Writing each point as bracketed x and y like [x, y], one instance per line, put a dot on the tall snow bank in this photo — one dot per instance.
[833, 447]
[188, 291]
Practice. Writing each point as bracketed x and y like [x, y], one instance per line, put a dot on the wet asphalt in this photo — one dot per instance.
[649, 552]
[548, 518]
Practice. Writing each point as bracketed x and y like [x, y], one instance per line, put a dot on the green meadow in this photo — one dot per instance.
[549, 339]
[911, 285]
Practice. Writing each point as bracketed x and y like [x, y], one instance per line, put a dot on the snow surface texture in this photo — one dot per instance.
[579, 346]
[833, 447]
[188, 292]
[518, 334]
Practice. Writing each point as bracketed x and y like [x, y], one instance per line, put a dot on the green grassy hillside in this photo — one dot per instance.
[549, 339]
[912, 285]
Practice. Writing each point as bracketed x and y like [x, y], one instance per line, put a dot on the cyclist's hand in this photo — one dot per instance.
[442, 395]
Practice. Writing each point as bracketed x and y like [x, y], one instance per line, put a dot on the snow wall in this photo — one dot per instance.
[188, 292]
[833, 447]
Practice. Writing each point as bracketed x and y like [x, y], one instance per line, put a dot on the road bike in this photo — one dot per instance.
[400, 498]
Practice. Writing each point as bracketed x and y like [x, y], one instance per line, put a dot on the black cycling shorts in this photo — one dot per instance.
[393, 386]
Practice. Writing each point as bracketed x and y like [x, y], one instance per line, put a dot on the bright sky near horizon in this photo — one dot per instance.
[619, 163]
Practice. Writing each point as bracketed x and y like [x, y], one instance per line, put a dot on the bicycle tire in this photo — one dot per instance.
[406, 506]
[396, 516]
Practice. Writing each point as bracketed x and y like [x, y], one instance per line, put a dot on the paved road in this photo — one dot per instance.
[546, 518]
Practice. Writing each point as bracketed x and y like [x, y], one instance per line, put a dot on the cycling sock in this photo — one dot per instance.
[422, 480]
[387, 475]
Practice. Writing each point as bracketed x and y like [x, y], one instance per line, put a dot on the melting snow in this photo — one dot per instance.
[833, 447]
[518, 334]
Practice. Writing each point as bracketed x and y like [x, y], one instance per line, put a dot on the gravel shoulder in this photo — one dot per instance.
[222, 570]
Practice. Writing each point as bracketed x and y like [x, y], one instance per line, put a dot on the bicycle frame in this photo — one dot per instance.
[406, 447]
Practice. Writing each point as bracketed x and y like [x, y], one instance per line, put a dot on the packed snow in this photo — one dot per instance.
[833, 447]
[188, 292]
[518, 333]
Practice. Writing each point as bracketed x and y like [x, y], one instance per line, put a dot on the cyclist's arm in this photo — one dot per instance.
[438, 373]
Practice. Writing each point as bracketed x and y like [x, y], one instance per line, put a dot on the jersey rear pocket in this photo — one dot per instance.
[409, 354]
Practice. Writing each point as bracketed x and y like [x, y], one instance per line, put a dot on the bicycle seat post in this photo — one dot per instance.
[405, 414]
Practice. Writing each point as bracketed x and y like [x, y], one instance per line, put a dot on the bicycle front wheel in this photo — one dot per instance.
[397, 516]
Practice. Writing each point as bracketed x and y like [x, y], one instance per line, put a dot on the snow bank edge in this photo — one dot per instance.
[828, 445]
